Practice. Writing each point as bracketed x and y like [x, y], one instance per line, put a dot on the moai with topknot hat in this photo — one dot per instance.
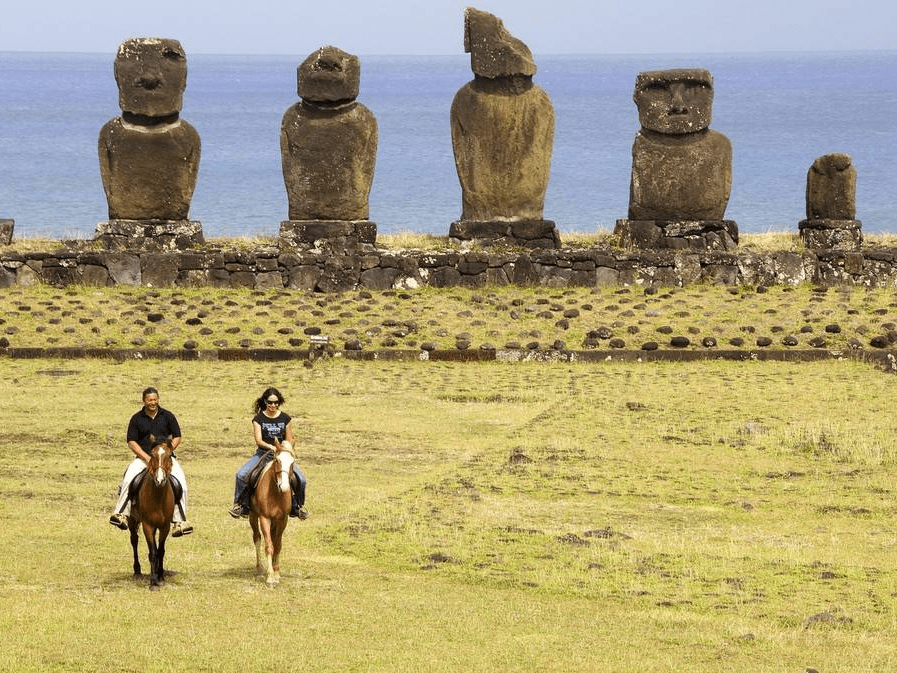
[328, 144]
[831, 205]
[502, 136]
[149, 156]
[681, 169]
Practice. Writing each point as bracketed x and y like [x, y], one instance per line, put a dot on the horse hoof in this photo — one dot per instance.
[271, 584]
[154, 587]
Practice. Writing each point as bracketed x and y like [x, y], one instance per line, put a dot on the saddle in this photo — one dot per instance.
[137, 482]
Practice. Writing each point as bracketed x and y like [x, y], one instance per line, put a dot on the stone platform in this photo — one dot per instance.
[826, 234]
[336, 235]
[678, 234]
[532, 234]
[150, 235]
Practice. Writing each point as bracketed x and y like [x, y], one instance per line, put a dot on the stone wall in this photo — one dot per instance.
[373, 268]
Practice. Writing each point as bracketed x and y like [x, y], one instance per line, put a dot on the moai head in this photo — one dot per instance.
[329, 75]
[494, 52]
[151, 74]
[674, 102]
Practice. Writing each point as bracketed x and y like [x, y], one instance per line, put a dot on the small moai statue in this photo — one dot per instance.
[502, 135]
[831, 205]
[149, 156]
[681, 169]
[328, 146]
[6, 229]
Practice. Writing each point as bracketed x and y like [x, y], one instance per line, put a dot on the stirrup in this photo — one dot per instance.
[119, 520]
[182, 528]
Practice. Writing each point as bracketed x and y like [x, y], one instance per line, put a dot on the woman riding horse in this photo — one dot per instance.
[269, 514]
[270, 424]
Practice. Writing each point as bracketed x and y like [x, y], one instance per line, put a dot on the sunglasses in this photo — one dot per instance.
[276, 403]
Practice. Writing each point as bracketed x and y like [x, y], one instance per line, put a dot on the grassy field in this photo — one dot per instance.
[477, 517]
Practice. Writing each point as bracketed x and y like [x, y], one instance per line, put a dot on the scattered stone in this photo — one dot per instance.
[879, 342]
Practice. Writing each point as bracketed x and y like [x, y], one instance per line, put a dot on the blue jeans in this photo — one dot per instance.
[241, 489]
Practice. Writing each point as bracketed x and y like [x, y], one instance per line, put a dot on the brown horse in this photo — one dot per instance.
[269, 512]
[153, 509]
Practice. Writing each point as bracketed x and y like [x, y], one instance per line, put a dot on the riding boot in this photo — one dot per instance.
[180, 524]
[298, 499]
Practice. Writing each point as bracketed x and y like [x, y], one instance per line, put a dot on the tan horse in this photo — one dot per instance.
[269, 512]
[153, 509]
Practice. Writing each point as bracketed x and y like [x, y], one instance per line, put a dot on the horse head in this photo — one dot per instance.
[283, 459]
[160, 460]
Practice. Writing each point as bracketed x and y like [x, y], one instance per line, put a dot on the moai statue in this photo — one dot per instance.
[328, 146]
[6, 229]
[502, 136]
[831, 205]
[681, 169]
[149, 156]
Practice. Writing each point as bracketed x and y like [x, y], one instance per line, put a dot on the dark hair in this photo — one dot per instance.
[260, 402]
[149, 391]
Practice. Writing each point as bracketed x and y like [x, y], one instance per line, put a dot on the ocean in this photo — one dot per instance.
[780, 110]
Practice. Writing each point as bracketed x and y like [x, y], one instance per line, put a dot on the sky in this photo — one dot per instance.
[392, 27]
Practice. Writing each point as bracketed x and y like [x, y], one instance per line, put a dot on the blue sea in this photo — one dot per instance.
[780, 110]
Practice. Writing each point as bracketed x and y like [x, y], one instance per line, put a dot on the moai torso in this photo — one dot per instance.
[681, 170]
[328, 141]
[831, 188]
[149, 157]
[502, 127]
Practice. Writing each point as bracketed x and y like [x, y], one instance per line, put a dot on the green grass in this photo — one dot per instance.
[483, 517]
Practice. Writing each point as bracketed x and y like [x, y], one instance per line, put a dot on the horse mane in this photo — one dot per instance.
[285, 446]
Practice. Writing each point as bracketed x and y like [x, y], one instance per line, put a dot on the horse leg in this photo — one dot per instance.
[270, 578]
[150, 534]
[275, 557]
[277, 537]
[160, 553]
[132, 525]
[258, 542]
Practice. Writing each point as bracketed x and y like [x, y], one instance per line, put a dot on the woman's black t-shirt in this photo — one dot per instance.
[273, 428]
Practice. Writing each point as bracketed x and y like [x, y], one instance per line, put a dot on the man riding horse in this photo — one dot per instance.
[152, 421]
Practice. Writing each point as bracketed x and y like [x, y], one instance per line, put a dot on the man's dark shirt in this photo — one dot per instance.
[161, 427]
